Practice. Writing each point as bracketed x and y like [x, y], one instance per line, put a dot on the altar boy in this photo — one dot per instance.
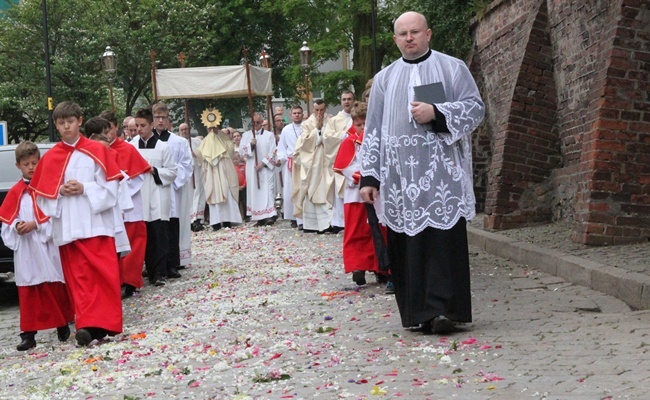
[76, 184]
[43, 297]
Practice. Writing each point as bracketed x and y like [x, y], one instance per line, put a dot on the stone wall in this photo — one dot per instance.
[567, 131]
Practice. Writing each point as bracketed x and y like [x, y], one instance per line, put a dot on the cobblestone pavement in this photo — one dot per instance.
[269, 314]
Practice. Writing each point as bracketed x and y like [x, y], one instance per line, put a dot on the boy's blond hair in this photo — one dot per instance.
[26, 149]
[160, 107]
[66, 109]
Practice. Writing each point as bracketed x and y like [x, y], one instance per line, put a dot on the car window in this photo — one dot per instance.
[9, 174]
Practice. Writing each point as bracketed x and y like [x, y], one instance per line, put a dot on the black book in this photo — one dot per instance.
[433, 93]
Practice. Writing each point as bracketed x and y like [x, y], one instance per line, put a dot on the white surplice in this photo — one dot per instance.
[156, 200]
[35, 254]
[97, 203]
[260, 202]
[286, 147]
[424, 171]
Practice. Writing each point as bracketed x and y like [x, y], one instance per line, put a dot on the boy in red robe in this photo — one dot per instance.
[76, 184]
[42, 294]
[134, 166]
[359, 254]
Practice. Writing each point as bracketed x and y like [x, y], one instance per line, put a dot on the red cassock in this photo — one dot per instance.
[358, 247]
[89, 265]
[133, 164]
[93, 280]
[45, 305]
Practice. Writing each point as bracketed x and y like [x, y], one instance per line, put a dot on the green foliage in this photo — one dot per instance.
[209, 33]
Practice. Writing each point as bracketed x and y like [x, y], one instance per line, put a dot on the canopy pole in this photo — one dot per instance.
[181, 58]
[252, 111]
[154, 87]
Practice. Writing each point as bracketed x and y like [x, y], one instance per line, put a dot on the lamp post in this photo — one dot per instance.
[265, 60]
[48, 80]
[109, 60]
[305, 62]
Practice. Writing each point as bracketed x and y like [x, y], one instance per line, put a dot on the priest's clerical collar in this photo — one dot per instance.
[418, 59]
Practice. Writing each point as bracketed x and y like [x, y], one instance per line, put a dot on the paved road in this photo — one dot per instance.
[269, 314]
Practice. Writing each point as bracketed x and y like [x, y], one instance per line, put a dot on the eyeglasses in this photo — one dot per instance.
[160, 117]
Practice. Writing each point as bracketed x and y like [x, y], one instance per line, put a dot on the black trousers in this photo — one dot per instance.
[174, 254]
[431, 275]
[155, 256]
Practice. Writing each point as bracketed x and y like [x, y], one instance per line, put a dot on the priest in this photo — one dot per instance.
[312, 177]
[258, 148]
[286, 147]
[416, 159]
[334, 133]
[220, 180]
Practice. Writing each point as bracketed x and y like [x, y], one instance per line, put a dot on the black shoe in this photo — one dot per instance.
[226, 224]
[441, 324]
[63, 333]
[216, 227]
[160, 282]
[84, 337]
[294, 224]
[309, 231]
[28, 341]
[98, 333]
[390, 288]
[329, 229]
[359, 277]
[145, 273]
[336, 229]
[196, 226]
[180, 267]
[381, 278]
[129, 290]
[261, 222]
[271, 221]
[173, 273]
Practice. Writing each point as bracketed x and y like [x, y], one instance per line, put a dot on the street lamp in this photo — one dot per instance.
[265, 60]
[305, 62]
[109, 60]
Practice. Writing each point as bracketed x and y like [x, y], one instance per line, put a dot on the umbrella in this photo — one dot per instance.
[377, 238]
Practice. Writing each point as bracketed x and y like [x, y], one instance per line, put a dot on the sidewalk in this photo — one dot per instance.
[621, 271]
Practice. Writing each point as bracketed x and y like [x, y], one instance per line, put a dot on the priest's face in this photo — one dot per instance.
[184, 130]
[319, 111]
[143, 128]
[347, 101]
[69, 128]
[412, 35]
[296, 115]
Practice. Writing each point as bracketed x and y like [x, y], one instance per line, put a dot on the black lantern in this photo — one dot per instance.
[109, 60]
[305, 62]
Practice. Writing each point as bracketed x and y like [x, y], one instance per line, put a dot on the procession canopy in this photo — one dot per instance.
[209, 82]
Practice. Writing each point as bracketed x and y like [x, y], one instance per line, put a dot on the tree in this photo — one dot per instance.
[208, 32]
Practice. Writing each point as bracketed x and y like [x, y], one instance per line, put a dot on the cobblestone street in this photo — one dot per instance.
[269, 314]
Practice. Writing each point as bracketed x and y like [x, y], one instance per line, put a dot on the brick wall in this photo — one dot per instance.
[567, 131]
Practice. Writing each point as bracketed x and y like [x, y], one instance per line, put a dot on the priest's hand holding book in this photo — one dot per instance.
[422, 112]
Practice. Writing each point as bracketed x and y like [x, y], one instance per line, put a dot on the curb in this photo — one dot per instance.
[631, 287]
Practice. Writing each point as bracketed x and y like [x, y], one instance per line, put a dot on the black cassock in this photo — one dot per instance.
[431, 274]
